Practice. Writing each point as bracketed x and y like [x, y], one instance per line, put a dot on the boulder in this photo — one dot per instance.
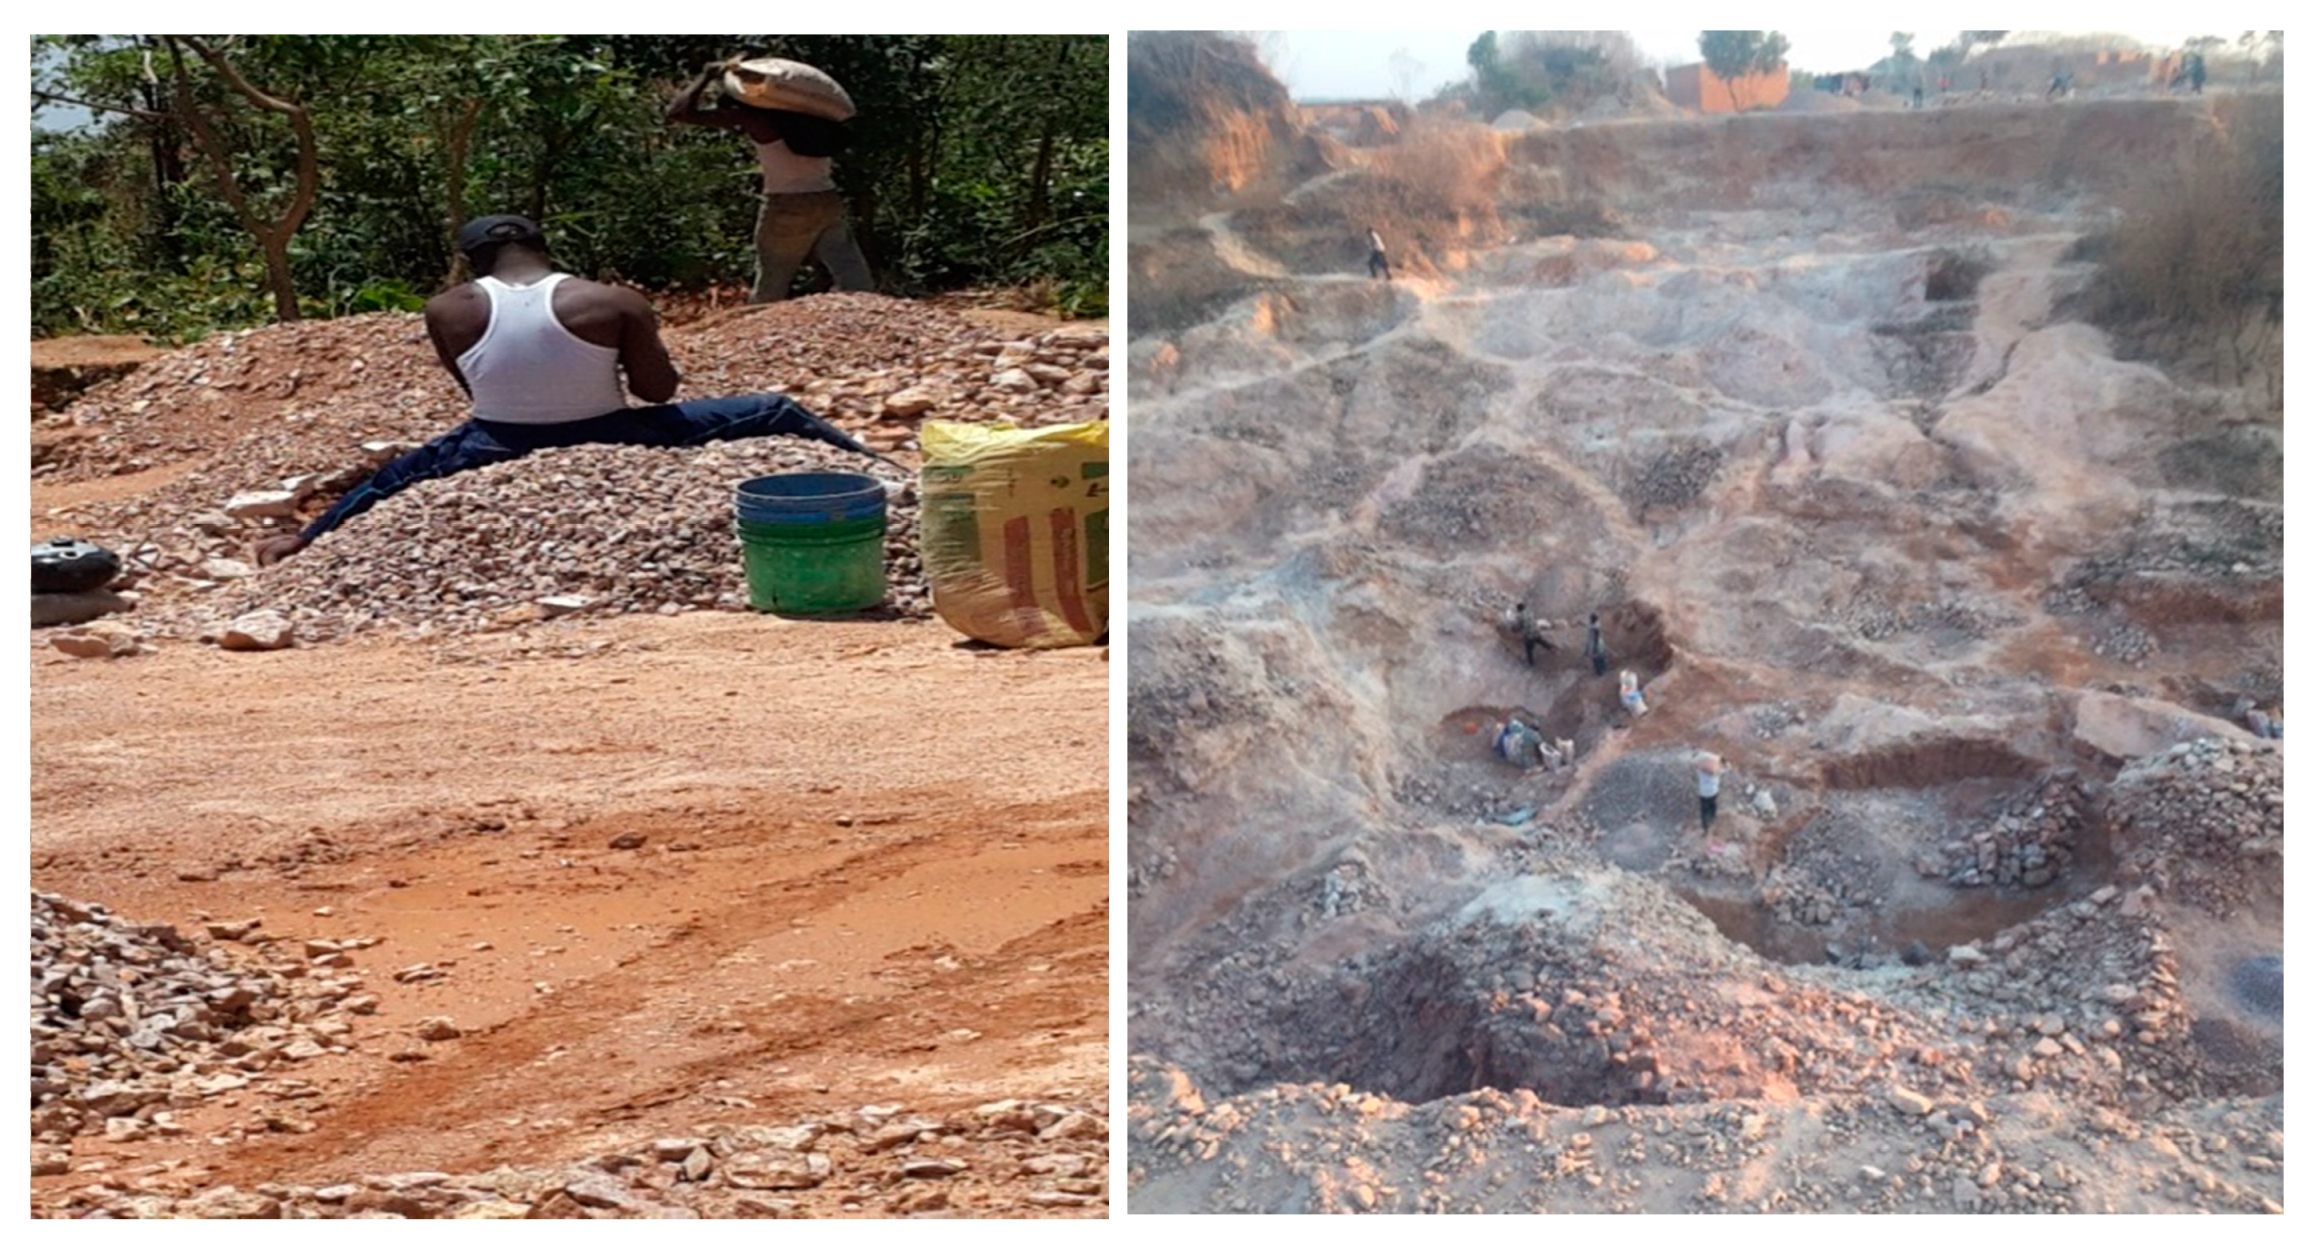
[50, 610]
[259, 630]
[2126, 728]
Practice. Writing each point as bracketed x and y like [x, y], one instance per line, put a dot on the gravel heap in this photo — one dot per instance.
[880, 1160]
[2202, 821]
[305, 411]
[2029, 841]
[624, 529]
[859, 359]
[284, 399]
[293, 399]
[1333, 1148]
[131, 1021]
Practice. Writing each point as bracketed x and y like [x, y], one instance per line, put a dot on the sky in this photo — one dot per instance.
[1365, 64]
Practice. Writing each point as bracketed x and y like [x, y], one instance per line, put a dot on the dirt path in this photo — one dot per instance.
[872, 868]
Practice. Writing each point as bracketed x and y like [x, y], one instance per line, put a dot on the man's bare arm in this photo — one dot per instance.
[649, 371]
[684, 107]
[436, 318]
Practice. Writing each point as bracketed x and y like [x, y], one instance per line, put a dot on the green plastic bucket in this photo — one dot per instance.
[814, 542]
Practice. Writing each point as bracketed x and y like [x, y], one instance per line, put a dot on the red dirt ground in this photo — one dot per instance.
[875, 870]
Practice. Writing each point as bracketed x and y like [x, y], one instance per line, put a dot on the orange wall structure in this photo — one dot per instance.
[1695, 86]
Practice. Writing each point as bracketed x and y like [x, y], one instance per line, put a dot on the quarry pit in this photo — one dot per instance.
[1965, 591]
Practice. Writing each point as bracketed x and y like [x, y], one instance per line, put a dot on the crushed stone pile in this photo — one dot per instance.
[2202, 821]
[292, 416]
[284, 399]
[596, 529]
[880, 1160]
[287, 400]
[857, 359]
[132, 1022]
[2028, 842]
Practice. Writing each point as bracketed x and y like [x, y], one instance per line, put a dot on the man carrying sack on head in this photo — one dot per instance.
[796, 116]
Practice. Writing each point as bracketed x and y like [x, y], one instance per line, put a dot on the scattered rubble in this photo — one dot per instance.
[879, 1161]
[132, 1023]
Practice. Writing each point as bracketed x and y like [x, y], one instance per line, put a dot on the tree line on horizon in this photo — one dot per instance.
[222, 181]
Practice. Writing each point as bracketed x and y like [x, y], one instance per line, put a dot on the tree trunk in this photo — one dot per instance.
[271, 236]
[456, 149]
[277, 275]
[1037, 203]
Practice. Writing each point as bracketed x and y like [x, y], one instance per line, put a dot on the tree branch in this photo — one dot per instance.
[142, 114]
[233, 78]
[210, 143]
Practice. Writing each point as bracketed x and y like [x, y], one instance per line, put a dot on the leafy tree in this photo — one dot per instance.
[1736, 54]
[1499, 84]
[1563, 69]
[977, 160]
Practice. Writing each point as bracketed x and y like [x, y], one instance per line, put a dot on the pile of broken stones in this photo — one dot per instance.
[134, 1022]
[296, 415]
[2029, 842]
[2202, 821]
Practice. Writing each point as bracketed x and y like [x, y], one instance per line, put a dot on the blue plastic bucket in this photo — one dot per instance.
[814, 542]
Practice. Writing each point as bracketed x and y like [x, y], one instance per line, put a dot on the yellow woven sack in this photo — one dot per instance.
[1013, 531]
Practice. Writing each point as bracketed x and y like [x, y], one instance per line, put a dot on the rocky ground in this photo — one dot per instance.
[523, 877]
[1991, 919]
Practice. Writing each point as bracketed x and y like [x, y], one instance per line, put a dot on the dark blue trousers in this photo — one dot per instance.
[478, 443]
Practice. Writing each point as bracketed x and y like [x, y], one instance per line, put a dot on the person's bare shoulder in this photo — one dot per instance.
[460, 300]
[457, 317]
[588, 294]
[598, 312]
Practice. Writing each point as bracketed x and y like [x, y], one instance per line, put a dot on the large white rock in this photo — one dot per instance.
[259, 630]
[262, 504]
[2136, 727]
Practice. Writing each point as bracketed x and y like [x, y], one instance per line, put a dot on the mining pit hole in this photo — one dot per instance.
[1430, 1023]
[1878, 816]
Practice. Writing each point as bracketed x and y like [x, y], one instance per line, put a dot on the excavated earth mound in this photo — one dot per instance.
[1991, 915]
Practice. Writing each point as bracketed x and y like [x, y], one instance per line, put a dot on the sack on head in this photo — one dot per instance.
[773, 82]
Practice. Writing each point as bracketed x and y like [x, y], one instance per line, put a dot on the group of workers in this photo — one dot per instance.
[1521, 741]
[548, 357]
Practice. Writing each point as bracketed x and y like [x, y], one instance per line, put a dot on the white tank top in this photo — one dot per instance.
[528, 369]
[787, 172]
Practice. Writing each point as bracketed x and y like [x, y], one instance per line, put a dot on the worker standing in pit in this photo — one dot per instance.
[1529, 630]
[1709, 770]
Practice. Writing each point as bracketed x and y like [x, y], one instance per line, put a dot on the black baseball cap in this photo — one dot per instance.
[491, 231]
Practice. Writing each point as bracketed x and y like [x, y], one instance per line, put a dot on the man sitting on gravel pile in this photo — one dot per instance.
[540, 351]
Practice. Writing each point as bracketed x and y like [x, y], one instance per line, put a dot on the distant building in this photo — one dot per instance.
[1696, 87]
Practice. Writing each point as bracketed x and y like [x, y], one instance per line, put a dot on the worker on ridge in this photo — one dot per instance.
[1594, 649]
[541, 353]
[1529, 630]
[1378, 265]
[801, 214]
